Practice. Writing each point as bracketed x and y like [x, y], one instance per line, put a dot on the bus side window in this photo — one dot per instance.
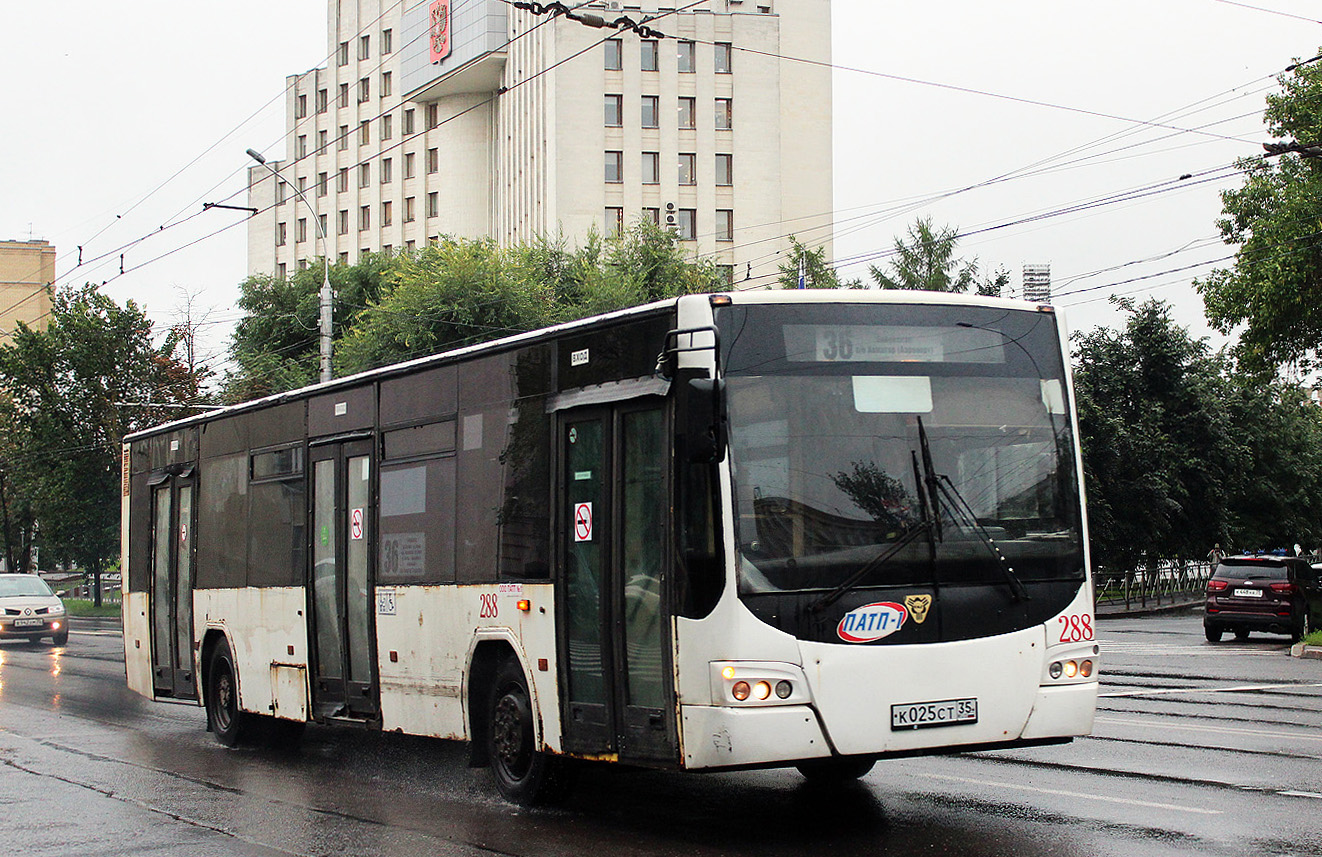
[701, 576]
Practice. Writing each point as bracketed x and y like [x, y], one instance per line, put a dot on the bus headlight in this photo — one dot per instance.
[758, 683]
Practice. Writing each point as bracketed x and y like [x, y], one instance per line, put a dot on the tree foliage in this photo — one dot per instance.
[817, 271]
[72, 391]
[1182, 451]
[927, 262]
[1274, 288]
[452, 293]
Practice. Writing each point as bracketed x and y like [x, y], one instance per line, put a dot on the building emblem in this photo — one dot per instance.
[440, 30]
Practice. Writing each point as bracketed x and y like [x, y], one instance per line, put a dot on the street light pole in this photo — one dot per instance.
[327, 296]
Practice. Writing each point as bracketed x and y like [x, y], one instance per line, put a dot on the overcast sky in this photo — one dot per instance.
[124, 118]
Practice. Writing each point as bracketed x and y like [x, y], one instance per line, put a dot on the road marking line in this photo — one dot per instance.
[1225, 730]
[1314, 795]
[1238, 688]
[1064, 793]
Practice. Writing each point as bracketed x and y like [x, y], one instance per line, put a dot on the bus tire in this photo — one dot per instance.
[60, 638]
[228, 723]
[523, 775]
[835, 769]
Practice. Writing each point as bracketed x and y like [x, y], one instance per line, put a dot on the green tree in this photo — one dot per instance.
[73, 391]
[927, 262]
[817, 272]
[1273, 292]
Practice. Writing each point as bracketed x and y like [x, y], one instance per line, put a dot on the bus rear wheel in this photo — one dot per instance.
[228, 723]
[835, 769]
[523, 775]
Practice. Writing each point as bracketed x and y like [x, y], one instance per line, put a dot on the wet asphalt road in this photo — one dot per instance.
[1199, 749]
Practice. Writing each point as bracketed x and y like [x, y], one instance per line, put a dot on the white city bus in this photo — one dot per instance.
[779, 528]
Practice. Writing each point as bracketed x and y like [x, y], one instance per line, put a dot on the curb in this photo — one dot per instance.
[1299, 650]
[1106, 611]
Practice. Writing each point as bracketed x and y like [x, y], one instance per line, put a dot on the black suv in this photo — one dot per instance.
[1277, 594]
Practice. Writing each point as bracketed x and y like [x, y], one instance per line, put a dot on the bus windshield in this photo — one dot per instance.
[892, 445]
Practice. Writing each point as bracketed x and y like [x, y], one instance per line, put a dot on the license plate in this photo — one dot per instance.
[924, 715]
[29, 623]
[1248, 593]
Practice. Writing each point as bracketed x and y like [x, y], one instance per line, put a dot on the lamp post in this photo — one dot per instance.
[327, 296]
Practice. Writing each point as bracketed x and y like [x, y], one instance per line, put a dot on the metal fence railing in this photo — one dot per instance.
[1163, 582]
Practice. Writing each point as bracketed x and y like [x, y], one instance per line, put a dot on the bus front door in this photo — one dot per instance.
[172, 586]
[613, 498]
[340, 588]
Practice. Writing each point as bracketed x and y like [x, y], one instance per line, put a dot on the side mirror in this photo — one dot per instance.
[703, 422]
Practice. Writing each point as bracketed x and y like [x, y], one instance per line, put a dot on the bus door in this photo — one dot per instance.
[613, 498]
[172, 561]
[340, 589]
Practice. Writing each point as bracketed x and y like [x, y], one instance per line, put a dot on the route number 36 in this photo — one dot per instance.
[1075, 628]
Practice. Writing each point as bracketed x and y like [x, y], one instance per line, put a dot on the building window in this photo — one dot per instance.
[433, 204]
[302, 148]
[410, 245]
[614, 222]
[364, 89]
[724, 170]
[321, 184]
[280, 270]
[726, 274]
[649, 54]
[301, 230]
[364, 218]
[684, 51]
[388, 170]
[409, 206]
[386, 84]
[280, 234]
[321, 142]
[342, 55]
[364, 175]
[615, 167]
[365, 132]
[653, 214]
[408, 165]
[302, 184]
[433, 160]
[344, 96]
[651, 167]
[280, 192]
[301, 107]
[724, 224]
[723, 53]
[344, 257]
[321, 100]
[408, 121]
[433, 115]
[342, 141]
[387, 126]
[688, 118]
[387, 42]
[342, 181]
[387, 214]
[321, 221]
[614, 54]
[614, 110]
[688, 168]
[651, 111]
[686, 224]
[364, 47]
[724, 114]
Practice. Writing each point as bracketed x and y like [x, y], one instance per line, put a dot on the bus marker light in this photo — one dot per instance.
[1071, 669]
[762, 690]
[1085, 669]
[727, 673]
[524, 604]
[1055, 669]
[394, 657]
[740, 690]
[784, 689]
[543, 665]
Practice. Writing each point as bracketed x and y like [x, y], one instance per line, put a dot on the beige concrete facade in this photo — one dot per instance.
[27, 269]
[393, 150]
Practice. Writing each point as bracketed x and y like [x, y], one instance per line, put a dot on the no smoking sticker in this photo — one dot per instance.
[356, 524]
[582, 522]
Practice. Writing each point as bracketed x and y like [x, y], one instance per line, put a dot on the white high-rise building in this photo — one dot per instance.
[477, 119]
[1037, 282]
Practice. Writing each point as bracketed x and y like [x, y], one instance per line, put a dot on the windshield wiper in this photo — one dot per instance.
[868, 567]
[941, 486]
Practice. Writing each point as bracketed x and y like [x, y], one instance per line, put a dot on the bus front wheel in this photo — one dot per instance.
[523, 775]
[228, 723]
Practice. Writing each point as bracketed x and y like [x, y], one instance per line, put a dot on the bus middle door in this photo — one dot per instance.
[173, 563]
[614, 639]
[340, 588]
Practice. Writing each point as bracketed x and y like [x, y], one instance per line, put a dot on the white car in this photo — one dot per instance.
[29, 609]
